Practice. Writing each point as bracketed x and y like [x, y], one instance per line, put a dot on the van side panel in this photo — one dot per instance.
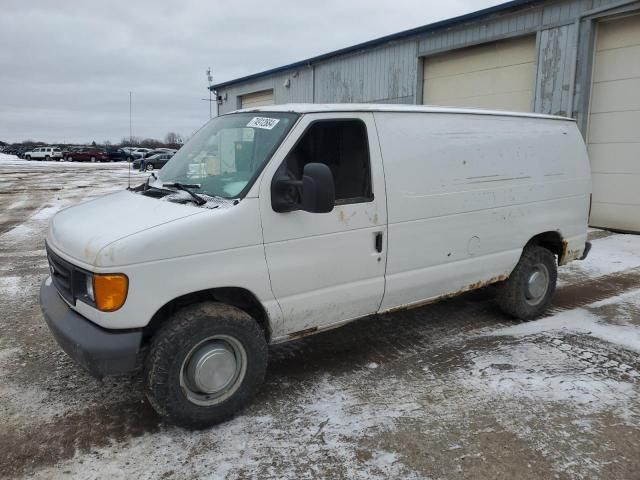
[466, 192]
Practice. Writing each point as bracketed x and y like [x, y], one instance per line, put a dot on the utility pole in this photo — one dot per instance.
[130, 131]
[210, 100]
[209, 78]
[130, 142]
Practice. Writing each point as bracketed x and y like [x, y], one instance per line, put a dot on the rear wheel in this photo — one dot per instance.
[69, 158]
[527, 292]
[205, 364]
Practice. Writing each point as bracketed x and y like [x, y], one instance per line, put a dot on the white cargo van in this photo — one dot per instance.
[278, 222]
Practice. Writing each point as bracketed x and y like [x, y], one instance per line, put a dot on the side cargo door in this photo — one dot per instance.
[327, 268]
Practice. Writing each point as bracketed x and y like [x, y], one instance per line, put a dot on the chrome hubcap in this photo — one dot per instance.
[537, 284]
[213, 370]
[213, 367]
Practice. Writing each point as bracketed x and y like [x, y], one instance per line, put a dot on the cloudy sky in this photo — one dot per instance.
[67, 66]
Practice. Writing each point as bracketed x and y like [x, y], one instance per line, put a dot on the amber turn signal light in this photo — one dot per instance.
[110, 291]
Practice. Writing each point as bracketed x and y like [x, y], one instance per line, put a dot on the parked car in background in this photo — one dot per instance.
[44, 153]
[87, 154]
[70, 151]
[157, 151]
[137, 153]
[12, 150]
[116, 155]
[154, 162]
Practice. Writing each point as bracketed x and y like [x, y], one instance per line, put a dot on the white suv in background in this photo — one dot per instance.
[44, 153]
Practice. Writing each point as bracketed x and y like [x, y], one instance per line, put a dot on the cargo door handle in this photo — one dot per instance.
[378, 242]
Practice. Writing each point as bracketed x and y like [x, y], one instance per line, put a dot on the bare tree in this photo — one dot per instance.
[130, 142]
[150, 143]
[172, 139]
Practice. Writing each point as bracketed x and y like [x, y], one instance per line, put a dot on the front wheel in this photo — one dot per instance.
[69, 159]
[527, 292]
[205, 364]
[28, 157]
[93, 159]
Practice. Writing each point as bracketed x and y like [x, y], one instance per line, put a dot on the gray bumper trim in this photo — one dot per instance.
[101, 352]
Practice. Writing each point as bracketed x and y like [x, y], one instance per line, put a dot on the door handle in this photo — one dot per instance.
[378, 242]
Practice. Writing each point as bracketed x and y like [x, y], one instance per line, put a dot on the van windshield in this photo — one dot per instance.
[228, 153]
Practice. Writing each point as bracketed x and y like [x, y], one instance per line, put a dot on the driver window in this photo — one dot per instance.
[343, 146]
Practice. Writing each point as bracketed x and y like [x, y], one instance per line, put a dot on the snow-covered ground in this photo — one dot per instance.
[452, 390]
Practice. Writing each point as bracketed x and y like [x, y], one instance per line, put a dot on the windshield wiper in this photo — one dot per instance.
[186, 187]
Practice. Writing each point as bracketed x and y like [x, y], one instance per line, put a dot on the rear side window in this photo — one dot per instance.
[343, 146]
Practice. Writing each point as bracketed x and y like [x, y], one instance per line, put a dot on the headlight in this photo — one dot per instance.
[110, 291]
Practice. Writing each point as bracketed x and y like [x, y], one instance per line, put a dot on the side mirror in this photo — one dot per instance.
[318, 189]
[315, 193]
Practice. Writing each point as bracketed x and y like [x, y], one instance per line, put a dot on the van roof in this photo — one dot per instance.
[372, 107]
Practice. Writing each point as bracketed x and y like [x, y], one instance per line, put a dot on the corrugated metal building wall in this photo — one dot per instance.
[391, 70]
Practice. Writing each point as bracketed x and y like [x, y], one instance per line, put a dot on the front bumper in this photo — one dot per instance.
[101, 352]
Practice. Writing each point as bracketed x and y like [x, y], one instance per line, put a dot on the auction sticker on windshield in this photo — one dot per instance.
[263, 122]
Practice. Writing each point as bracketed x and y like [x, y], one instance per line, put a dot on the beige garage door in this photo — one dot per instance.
[498, 75]
[614, 125]
[258, 99]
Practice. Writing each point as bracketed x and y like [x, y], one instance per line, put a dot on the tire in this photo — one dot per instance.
[69, 158]
[149, 167]
[47, 158]
[169, 365]
[129, 159]
[93, 159]
[527, 292]
[28, 157]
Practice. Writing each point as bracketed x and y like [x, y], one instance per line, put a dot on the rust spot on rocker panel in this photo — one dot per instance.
[302, 333]
[473, 286]
[567, 255]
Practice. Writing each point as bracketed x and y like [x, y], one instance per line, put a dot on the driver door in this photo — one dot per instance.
[327, 268]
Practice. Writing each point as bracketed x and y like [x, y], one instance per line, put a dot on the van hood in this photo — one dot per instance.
[82, 231]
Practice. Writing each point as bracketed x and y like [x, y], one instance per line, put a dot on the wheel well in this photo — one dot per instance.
[234, 296]
[552, 241]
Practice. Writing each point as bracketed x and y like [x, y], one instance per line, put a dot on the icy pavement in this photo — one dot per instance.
[453, 390]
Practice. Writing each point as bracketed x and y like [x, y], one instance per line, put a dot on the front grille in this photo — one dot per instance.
[62, 275]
